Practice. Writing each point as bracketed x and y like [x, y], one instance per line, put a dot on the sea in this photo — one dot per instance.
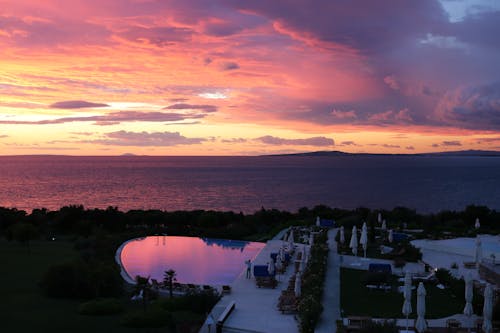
[247, 184]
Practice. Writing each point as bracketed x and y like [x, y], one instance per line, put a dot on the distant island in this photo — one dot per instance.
[489, 153]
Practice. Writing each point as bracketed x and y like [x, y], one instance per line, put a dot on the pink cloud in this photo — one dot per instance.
[343, 115]
[77, 105]
[314, 141]
[391, 82]
[159, 139]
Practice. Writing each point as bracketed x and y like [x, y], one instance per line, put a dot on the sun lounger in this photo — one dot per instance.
[156, 285]
[287, 302]
[226, 290]
[453, 323]
[429, 277]
[263, 278]
[470, 264]
[179, 286]
[267, 282]
[355, 324]
[192, 287]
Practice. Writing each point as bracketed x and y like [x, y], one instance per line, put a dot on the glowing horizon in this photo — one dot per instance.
[149, 77]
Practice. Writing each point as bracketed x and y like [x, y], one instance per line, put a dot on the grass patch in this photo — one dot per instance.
[358, 300]
[24, 308]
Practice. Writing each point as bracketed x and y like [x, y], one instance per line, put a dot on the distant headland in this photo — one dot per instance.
[490, 153]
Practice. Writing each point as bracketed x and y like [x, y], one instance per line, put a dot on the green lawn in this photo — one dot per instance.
[356, 299]
[23, 308]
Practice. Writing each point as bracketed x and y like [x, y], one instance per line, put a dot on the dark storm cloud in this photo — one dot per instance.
[476, 107]
[370, 26]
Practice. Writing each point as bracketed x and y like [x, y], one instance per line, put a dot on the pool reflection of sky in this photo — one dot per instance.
[195, 260]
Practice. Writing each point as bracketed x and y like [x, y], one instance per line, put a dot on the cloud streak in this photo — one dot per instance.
[184, 106]
[77, 105]
[112, 118]
[318, 141]
[147, 139]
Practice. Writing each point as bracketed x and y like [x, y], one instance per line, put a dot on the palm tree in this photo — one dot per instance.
[168, 280]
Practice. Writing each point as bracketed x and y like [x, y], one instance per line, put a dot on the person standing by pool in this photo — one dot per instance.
[249, 267]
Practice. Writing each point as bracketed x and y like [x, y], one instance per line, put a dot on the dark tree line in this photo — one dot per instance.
[82, 222]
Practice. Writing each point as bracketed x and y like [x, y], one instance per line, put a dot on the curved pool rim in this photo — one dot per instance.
[129, 279]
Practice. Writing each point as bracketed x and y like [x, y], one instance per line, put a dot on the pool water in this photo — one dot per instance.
[195, 260]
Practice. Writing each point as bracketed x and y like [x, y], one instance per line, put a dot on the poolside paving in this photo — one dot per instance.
[256, 308]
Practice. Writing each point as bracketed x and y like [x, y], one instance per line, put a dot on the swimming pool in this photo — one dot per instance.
[195, 260]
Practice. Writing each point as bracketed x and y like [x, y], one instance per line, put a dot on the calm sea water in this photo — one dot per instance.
[428, 184]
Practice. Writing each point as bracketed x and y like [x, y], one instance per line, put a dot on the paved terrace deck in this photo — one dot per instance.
[256, 308]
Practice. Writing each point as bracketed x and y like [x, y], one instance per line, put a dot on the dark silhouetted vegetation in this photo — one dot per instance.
[151, 318]
[79, 279]
[102, 307]
[313, 281]
[90, 238]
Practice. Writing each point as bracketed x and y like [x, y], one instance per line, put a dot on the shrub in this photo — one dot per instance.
[496, 311]
[444, 276]
[399, 262]
[406, 251]
[199, 302]
[101, 307]
[310, 309]
[376, 278]
[187, 317]
[153, 317]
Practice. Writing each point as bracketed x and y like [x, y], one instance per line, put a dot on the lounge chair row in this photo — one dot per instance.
[288, 302]
[186, 287]
[263, 278]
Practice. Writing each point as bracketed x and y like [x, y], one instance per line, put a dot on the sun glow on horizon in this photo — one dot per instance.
[164, 78]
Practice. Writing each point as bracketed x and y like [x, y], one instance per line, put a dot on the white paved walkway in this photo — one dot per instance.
[363, 263]
[331, 293]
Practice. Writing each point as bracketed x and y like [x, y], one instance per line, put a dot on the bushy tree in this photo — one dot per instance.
[24, 233]
[80, 279]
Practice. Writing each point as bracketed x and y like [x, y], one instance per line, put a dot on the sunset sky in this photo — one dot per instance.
[234, 77]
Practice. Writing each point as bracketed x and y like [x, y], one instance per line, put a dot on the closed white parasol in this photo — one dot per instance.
[488, 308]
[298, 284]
[353, 244]
[407, 298]
[364, 238]
[421, 324]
